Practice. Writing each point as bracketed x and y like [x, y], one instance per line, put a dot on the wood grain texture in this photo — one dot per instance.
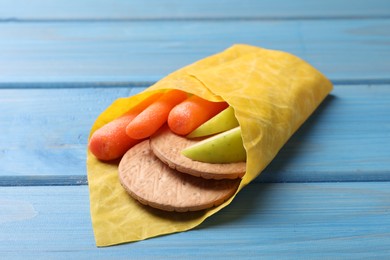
[44, 132]
[265, 220]
[63, 62]
[144, 51]
[201, 9]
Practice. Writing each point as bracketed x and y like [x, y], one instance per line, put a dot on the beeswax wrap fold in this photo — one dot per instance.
[272, 92]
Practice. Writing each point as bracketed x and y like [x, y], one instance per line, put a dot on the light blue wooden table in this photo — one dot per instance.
[327, 193]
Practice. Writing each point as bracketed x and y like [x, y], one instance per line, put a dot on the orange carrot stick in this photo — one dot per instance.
[153, 117]
[191, 113]
[111, 141]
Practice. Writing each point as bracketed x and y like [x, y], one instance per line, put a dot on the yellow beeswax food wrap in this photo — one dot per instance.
[272, 92]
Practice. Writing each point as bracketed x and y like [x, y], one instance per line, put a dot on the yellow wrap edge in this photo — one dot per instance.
[272, 92]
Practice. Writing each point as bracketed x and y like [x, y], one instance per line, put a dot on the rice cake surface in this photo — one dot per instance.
[154, 183]
[167, 146]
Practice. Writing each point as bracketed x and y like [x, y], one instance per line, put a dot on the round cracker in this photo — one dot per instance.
[167, 146]
[153, 183]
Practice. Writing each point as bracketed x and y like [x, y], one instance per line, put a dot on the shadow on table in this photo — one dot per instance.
[278, 170]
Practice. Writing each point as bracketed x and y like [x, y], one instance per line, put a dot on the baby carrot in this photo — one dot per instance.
[191, 113]
[111, 141]
[153, 117]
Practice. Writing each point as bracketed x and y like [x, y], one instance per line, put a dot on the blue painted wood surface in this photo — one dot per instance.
[62, 63]
[201, 9]
[290, 220]
[341, 141]
[126, 51]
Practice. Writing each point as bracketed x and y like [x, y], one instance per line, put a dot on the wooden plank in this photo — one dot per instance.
[342, 140]
[48, 129]
[145, 51]
[201, 9]
[331, 220]
[44, 132]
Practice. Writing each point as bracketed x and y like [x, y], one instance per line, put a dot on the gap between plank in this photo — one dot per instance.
[194, 19]
[145, 84]
[79, 180]
[52, 180]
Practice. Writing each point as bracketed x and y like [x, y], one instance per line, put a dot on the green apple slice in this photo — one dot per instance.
[225, 147]
[223, 121]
